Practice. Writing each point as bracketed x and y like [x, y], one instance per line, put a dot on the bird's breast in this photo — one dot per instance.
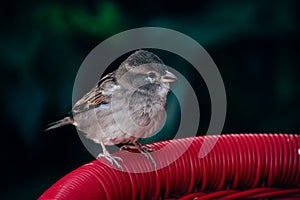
[124, 118]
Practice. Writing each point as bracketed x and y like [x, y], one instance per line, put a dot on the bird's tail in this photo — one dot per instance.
[60, 123]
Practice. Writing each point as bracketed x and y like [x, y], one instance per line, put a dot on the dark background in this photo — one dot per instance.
[255, 44]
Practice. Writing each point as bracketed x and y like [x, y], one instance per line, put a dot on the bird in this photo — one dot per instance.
[124, 105]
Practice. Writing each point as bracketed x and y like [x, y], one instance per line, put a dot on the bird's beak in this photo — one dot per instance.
[168, 77]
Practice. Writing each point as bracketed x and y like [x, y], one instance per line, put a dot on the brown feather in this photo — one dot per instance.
[95, 96]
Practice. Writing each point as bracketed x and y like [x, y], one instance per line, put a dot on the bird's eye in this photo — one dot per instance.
[151, 75]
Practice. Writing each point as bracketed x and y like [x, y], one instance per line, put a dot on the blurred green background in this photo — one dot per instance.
[255, 44]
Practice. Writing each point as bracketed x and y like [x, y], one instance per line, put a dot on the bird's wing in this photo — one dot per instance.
[100, 94]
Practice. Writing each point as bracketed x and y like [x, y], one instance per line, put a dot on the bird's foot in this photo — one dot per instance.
[112, 159]
[142, 149]
[147, 154]
[147, 149]
[131, 147]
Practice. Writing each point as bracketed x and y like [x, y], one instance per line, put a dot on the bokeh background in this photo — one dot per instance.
[255, 44]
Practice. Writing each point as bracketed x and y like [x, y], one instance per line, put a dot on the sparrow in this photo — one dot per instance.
[125, 105]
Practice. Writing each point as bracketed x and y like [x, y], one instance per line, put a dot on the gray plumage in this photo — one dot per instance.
[125, 105]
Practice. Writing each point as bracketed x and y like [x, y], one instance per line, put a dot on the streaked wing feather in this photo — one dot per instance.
[95, 96]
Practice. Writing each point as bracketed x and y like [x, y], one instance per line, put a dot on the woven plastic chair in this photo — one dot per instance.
[239, 166]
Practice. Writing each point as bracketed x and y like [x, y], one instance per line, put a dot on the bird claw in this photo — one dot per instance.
[112, 159]
[149, 157]
[147, 149]
[143, 150]
[139, 148]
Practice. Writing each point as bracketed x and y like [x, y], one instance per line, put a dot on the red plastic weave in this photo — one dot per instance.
[241, 166]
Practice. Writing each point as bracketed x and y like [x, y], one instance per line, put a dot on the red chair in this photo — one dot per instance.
[239, 166]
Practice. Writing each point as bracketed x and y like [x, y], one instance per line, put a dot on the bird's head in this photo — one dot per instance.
[148, 74]
[144, 68]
